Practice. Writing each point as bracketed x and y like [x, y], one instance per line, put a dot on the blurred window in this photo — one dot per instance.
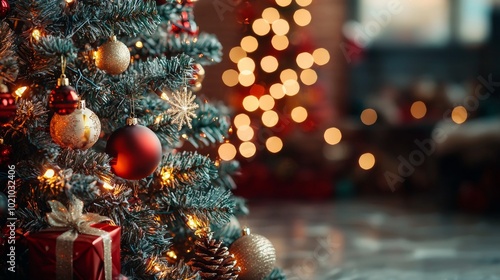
[422, 23]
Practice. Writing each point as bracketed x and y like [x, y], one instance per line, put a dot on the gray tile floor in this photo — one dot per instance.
[361, 240]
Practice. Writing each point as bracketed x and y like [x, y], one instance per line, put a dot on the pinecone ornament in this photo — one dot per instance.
[213, 261]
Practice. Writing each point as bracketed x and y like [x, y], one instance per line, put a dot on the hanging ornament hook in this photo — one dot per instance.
[63, 65]
[63, 80]
[132, 120]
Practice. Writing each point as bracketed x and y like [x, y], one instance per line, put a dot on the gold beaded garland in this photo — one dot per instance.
[255, 255]
[78, 130]
[113, 57]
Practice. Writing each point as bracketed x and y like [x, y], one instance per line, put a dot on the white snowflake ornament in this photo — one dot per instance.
[182, 108]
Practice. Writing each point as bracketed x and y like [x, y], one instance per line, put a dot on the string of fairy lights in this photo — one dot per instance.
[262, 99]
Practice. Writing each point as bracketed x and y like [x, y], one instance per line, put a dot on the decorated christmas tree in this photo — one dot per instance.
[281, 102]
[99, 119]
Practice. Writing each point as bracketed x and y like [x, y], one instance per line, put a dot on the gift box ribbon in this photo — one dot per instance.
[76, 223]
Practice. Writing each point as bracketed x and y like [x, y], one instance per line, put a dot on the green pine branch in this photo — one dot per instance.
[86, 162]
[8, 58]
[188, 169]
[213, 205]
[204, 48]
[163, 72]
[210, 127]
[226, 170]
[102, 19]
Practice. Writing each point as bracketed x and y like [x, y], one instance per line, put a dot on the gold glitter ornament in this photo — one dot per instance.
[78, 130]
[113, 57]
[255, 255]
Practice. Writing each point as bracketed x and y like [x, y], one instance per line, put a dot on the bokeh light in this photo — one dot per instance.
[368, 116]
[245, 133]
[266, 102]
[249, 44]
[241, 120]
[459, 114]
[251, 103]
[303, 3]
[227, 151]
[247, 149]
[270, 14]
[321, 56]
[288, 74]
[274, 144]
[269, 64]
[257, 90]
[237, 53]
[308, 77]
[277, 91]
[333, 136]
[246, 79]
[280, 42]
[230, 77]
[418, 109]
[283, 3]
[292, 87]
[299, 114]
[280, 27]
[261, 27]
[246, 66]
[302, 17]
[270, 118]
[305, 60]
[366, 161]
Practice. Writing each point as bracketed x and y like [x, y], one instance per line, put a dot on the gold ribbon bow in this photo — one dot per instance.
[78, 223]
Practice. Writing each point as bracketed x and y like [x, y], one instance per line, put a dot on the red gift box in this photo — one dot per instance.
[88, 254]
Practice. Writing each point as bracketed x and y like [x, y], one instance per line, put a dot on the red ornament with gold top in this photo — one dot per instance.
[6, 152]
[8, 106]
[135, 149]
[185, 24]
[4, 8]
[63, 99]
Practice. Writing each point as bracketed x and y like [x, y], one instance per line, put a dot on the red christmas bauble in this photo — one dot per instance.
[188, 2]
[185, 25]
[63, 100]
[4, 8]
[136, 152]
[8, 107]
[5, 154]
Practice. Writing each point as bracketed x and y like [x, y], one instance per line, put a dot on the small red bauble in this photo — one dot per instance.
[4, 8]
[8, 106]
[188, 2]
[185, 25]
[5, 153]
[63, 99]
[135, 149]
